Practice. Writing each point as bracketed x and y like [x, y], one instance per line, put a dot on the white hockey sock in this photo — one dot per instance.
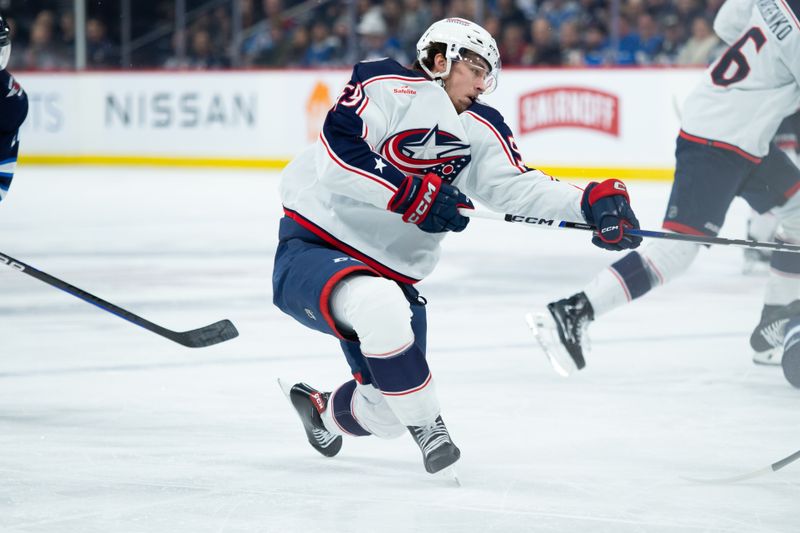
[637, 272]
[781, 289]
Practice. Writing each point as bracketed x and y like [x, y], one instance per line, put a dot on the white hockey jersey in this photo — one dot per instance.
[390, 122]
[746, 93]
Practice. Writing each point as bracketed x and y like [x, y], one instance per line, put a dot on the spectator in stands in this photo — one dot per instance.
[559, 11]
[687, 11]
[672, 42]
[660, 8]
[295, 53]
[544, 49]
[42, 53]
[513, 48]
[464, 9]
[100, 51]
[650, 40]
[202, 55]
[416, 15]
[702, 47]
[66, 40]
[628, 45]
[595, 44]
[376, 43]
[324, 48]
[711, 8]
[569, 39]
[508, 13]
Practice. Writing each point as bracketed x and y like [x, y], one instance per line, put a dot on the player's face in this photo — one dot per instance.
[466, 81]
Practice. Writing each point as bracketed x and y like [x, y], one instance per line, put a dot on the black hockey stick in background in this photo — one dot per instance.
[197, 338]
[774, 467]
[563, 224]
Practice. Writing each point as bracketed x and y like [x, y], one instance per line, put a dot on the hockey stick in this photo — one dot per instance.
[774, 467]
[197, 338]
[564, 224]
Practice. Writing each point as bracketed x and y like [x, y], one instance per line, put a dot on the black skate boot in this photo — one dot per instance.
[767, 338]
[310, 404]
[438, 450]
[561, 332]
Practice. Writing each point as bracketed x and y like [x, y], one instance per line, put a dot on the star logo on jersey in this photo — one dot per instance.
[419, 151]
[379, 165]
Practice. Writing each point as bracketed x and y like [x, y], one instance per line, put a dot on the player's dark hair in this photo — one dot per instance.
[432, 50]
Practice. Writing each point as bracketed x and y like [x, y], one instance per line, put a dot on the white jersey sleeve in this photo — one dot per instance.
[745, 94]
[499, 179]
[731, 19]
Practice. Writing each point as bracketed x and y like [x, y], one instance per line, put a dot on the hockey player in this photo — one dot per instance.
[13, 110]
[366, 208]
[723, 151]
[762, 226]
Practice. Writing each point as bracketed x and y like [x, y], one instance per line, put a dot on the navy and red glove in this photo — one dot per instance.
[607, 206]
[431, 204]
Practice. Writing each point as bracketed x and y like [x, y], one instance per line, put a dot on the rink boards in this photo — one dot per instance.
[570, 122]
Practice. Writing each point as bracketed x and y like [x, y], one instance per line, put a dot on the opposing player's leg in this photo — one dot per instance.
[773, 186]
[791, 352]
[760, 227]
[707, 179]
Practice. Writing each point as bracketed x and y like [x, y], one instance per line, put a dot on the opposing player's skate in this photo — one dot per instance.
[561, 332]
[438, 450]
[310, 404]
[767, 338]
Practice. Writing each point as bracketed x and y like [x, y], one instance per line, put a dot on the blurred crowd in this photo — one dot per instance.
[318, 33]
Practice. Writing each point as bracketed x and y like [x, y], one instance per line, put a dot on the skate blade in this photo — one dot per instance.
[449, 475]
[547, 336]
[285, 388]
[771, 357]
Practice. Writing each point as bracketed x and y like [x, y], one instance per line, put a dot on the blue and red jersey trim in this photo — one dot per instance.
[719, 144]
[380, 268]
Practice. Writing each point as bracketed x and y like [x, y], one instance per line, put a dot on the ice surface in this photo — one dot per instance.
[105, 427]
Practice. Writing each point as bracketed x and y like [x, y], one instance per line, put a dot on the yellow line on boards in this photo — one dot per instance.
[125, 160]
[624, 173]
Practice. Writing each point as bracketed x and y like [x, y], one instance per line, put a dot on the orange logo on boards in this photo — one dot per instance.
[569, 107]
[317, 106]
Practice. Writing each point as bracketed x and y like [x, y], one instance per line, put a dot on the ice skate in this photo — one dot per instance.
[561, 332]
[438, 450]
[310, 404]
[767, 338]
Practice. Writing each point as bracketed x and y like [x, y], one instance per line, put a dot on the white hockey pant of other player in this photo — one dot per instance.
[377, 311]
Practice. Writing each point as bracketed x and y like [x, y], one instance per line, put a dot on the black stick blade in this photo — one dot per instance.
[221, 331]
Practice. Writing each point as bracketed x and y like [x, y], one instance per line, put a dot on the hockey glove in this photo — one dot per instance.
[607, 206]
[431, 204]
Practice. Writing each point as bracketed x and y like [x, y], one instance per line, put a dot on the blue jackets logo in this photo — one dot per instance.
[419, 151]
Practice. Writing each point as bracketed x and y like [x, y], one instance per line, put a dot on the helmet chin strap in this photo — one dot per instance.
[438, 77]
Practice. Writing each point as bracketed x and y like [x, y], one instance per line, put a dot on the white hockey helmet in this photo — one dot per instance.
[460, 35]
[5, 43]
